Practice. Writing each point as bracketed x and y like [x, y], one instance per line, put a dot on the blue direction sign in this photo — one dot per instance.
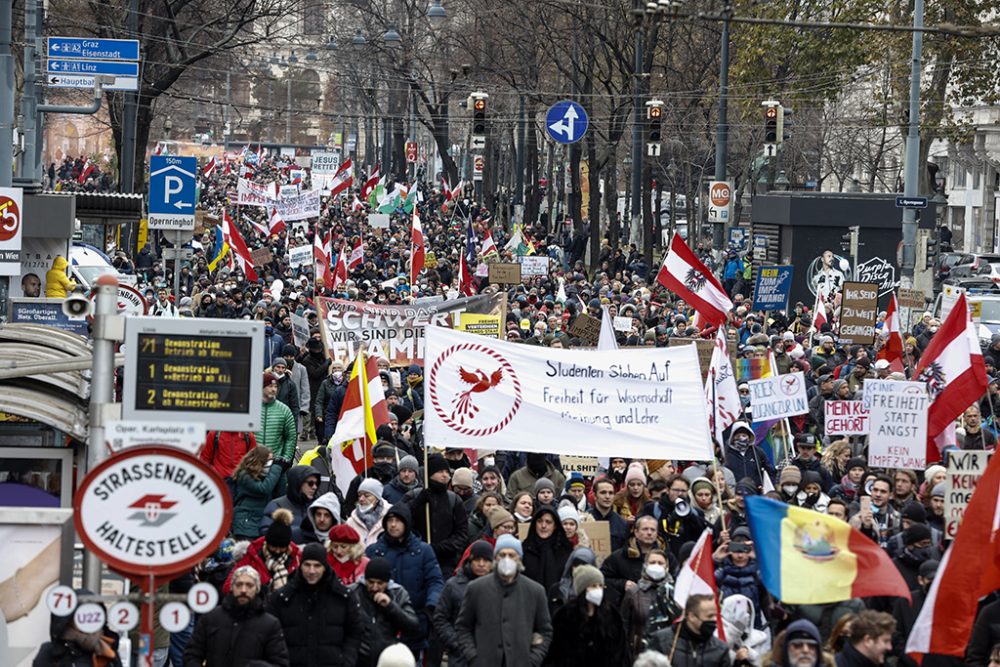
[566, 122]
[93, 49]
[911, 202]
[92, 67]
[172, 192]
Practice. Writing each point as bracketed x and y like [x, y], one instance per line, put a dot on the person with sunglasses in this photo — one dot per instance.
[303, 484]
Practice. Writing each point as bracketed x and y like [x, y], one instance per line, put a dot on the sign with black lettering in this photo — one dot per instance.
[858, 311]
[203, 370]
[964, 470]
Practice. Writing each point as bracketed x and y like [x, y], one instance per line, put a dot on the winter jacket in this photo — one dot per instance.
[57, 283]
[523, 479]
[624, 565]
[273, 344]
[498, 622]
[617, 527]
[449, 523]
[305, 532]
[851, 657]
[61, 652]
[223, 450]
[985, 635]
[293, 500]
[277, 430]
[446, 614]
[394, 491]
[252, 496]
[288, 394]
[414, 567]
[300, 378]
[317, 367]
[368, 537]
[814, 465]
[380, 626]
[328, 405]
[689, 650]
[545, 560]
[749, 464]
[579, 639]
[255, 558]
[320, 623]
[734, 580]
[231, 636]
[319, 457]
[647, 608]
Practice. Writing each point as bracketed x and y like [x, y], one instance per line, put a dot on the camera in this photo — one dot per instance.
[76, 306]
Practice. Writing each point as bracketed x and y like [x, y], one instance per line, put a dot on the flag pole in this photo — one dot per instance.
[427, 505]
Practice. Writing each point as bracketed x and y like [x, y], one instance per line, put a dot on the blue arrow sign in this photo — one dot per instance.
[92, 67]
[93, 49]
[172, 191]
[566, 122]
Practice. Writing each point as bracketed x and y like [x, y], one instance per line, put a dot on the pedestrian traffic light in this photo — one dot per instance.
[772, 118]
[479, 116]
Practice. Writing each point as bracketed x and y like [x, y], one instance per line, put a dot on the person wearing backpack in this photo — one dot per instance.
[223, 450]
[256, 477]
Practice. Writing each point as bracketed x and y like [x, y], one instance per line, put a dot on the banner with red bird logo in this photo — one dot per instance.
[490, 394]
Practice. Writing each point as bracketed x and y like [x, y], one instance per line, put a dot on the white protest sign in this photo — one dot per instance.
[622, 323]
[378, 220]
[965, 467]
[779, 396]
[289, 191]
[898, 416]
[533, 265]
[845, 418]
[641, 403]
[300, 255]
[300, 330]
[249, 193]
[299, 207]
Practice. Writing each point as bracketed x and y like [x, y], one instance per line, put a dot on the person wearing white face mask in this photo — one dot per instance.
[588, 629]
[504, 620]
[650, 605]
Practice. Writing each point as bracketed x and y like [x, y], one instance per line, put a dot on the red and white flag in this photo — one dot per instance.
[260, 229]
[969, 571]
[276, 224]
[953, 368]
[340, 273]
[356, 205]
[240, 253]
[209, 168]
[819, 312]
[684, 274]
[363, 411]
[697, 576]
[721, 393]
[321, 257]
[357, 256]
[370, 183]
[489, 245]
[158, 150]
[343, 179]
[892, 349]
[457, 191]
[416, 249]
[86, 171]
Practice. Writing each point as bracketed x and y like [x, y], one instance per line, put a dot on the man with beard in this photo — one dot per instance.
[383, 469]
[238, 631]
[448, 520]
[320, 623]
[404, 482]
[802, 645]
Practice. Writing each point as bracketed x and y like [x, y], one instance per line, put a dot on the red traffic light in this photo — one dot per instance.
[479, 104]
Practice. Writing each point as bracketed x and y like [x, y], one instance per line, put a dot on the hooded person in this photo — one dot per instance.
[303, 483]
[546, 548]
[320, 624]
[802, 646]
[414, 567]
[273, 556]
[320, 518]
[370, 509]
[738, 615]
[562, 590]
[57, 283]
[744, 458]
[70, 646]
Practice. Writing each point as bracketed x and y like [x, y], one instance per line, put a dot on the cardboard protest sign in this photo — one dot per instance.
[505, 273]
[858, 312]
[586, 328]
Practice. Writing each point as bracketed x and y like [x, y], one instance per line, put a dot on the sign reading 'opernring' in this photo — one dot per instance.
[152, 511]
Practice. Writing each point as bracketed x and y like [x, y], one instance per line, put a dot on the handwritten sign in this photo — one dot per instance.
[965, 467]
[846, 418]
[621, 323]
[858, 312]
[778, 396]
[585, 465]
[897, 437]
[505, 273]
[533, 265]
[300, 255]
[586, 328]
[261, 257]
[911, 298]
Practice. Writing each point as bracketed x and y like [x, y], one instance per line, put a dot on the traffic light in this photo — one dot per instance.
[930, 252]
[772, 118]
[785, 124]
[479, 116]
[654, 114]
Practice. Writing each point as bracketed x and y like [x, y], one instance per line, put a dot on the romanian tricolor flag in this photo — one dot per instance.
[810, 558]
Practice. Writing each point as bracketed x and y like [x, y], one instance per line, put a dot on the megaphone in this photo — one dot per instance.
[681, 507]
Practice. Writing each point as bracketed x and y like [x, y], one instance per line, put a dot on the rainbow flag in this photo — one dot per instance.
[810, 558]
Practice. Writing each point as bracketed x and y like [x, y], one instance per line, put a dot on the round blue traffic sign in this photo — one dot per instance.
[566, 122]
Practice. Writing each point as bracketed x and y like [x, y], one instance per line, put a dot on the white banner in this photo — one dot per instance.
[249, 193]
[898, 435]
[778, 396]
[302, 207]
[643, 403]
[300, 255]
[846, 418]
[289, 191]
[534, 265]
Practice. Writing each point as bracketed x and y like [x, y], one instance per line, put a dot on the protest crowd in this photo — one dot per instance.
[508, 558]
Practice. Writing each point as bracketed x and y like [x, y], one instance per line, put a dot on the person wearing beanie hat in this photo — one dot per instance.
[807, 459]
[588, 629]
[478, 564]
[789, 480]
[346, 553]
[660, 469]
[407, 479]
[413, 398]
[570, 519]
[385, 610]
[918, 548]
[273, 556]
[502, 522]
[316, 613]
[462, 482]
[811, 495]
[536, 466]
[935, 508]
[372, 486]
[442, 512]
[630, 500]
[745, 458]
[383, 469]
[277, 429]
[575, 491]
[509, 543]
[544, 491]
[299, 378]
[414, 567]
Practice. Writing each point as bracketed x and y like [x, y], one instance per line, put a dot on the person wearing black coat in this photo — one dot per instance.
[71, 648]
[546, 548]
[624, 566]
[449, 522]
[320, 623]
[384, 609]
[985, 635]
[585, 633]
[478, 564]
[239, 631]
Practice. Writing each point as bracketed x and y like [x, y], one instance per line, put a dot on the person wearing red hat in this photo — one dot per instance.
[346, 554]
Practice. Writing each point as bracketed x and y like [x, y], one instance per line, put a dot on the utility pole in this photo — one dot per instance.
[27, 168]
[911, 183]
[521, 140]
[127, 166]
[6, 96]
[635, 230]
[722, 129]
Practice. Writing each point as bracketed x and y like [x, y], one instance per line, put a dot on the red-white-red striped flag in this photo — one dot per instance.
[697, 576]
[892, 350]
[276, 224]
[209, 168]
[370, 183]
[86, 171]
[240, 252]
[340, 272]
[343, 179]
[684, 274]
[416, 248]
[819, 312]
[357, 256]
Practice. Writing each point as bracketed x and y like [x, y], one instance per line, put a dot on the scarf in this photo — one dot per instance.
[277, 566]
[349, 570]
[369, 516]
[94, 643]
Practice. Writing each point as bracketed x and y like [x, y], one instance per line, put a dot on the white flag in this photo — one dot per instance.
[720, 389]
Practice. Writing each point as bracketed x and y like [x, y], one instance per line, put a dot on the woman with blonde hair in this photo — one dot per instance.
[835, 458]
[346, 554]
[256, 477]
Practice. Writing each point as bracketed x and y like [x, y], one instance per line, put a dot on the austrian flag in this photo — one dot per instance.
[683, 274]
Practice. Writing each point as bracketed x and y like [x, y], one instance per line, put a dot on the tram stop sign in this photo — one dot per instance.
[152, 511]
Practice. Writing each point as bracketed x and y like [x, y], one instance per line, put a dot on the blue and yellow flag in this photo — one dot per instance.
[806, 557]
[221, 249]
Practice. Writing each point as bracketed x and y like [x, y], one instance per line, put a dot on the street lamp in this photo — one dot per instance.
[311, 56]
[332, 44]
[392, 38]
[292, 58]
[436, 14]
[781, 182]
[359, 41]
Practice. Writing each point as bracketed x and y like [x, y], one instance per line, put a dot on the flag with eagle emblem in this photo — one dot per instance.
[684, 274]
